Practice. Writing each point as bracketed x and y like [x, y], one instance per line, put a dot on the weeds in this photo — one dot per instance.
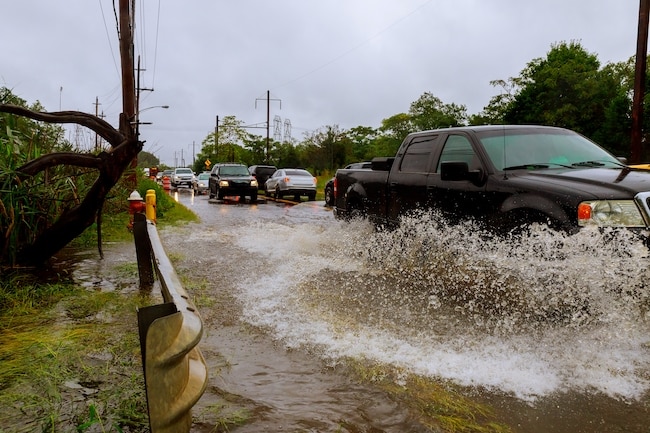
[69, 359]
[439, 407]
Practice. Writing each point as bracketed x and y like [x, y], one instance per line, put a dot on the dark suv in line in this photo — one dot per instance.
[232, 180]
[261, 173]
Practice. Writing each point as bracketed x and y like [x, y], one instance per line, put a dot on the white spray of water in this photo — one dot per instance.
[529, 316]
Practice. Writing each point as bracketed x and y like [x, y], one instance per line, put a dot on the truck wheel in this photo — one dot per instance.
[253, 198]
[356, 210]
[329, 196]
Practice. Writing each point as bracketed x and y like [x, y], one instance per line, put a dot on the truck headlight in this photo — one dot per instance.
[223, 184]
[254, 182]
[610, 213]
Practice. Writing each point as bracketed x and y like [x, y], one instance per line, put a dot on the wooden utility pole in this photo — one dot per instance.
[639, 83]
[126, 56]
[268, 122]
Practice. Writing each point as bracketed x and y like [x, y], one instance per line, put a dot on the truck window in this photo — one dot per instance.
[416, 156]
[458, 149]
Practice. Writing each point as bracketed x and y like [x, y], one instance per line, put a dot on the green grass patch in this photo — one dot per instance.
[439, 406]
[116, 217]
[69, 359]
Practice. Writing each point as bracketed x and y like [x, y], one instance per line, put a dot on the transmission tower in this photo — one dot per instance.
[277, 133]
[287, 130]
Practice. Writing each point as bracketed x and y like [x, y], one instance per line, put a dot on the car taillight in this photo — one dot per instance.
[287, 179]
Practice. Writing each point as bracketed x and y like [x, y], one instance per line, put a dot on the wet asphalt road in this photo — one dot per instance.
[275, 386]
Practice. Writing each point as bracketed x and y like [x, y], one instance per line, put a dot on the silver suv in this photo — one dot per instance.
[182, 176]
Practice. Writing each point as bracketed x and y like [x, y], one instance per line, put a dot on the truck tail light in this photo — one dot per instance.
[335, 186]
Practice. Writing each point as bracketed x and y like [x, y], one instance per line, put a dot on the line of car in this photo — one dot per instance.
[238, 180]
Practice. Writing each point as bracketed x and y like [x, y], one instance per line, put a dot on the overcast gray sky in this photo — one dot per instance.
[328, 62]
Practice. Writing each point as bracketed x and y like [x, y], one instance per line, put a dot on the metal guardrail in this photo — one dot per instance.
[175, 372]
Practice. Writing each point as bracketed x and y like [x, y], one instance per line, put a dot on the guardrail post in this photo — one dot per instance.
[175, 372]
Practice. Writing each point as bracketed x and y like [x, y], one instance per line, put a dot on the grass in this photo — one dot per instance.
[70, 356]
[439, 406]
[69, 360]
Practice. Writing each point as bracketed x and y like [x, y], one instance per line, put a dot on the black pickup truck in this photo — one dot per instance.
[502, 176]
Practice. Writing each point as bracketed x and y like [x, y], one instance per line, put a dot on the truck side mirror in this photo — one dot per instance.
[454, 170]
[457, 170]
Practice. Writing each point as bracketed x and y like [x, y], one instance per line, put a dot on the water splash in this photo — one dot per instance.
[542, 313]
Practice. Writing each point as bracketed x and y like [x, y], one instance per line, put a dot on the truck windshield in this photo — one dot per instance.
[543, 148]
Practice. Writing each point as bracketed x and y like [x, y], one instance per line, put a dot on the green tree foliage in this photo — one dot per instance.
[147, 159]
[28, 206]
[429, 112]
[569, 89]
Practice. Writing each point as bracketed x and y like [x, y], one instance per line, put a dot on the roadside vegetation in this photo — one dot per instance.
[69, 354]
[438, 405]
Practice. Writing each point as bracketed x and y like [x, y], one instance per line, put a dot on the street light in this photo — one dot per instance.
[137, 122]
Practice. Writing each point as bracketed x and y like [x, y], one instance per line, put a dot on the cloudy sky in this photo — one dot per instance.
[327, 62]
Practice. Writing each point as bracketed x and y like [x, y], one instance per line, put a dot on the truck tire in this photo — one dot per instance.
[329, 196]
[356, 210]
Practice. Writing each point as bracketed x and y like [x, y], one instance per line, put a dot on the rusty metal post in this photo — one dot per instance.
[143, 251]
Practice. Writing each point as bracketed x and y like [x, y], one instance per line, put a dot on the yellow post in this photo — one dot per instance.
[150, 200]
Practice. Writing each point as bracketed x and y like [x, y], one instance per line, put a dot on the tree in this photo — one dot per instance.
[147, 159]
[429, 112]
[46, 239]
[83, 212]
[565, 89]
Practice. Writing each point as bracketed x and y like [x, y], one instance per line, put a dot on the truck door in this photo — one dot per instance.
[459, 198]
[407, 181]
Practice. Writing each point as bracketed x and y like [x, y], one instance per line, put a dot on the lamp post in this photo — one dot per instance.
[137, 123]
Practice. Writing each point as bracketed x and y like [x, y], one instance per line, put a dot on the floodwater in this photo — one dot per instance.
[551, 330]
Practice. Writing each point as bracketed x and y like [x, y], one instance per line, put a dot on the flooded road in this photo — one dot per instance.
[551, 331]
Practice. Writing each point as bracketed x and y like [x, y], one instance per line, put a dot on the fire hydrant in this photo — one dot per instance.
[150, 202]
[136, 205]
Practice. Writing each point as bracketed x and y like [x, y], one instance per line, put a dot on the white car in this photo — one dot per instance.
[202, 183]
[182, 177]
[291, 181]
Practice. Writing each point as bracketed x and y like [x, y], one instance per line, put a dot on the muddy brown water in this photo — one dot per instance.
[554, 334]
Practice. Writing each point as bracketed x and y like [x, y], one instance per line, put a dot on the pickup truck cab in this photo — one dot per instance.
[502, 176]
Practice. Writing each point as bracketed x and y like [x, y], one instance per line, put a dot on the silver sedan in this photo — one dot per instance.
[294, 182]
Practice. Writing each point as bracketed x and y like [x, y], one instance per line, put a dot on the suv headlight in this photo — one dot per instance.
[253, 182]
[223, 184]
[610, 213]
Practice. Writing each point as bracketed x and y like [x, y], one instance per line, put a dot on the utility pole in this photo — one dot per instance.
[268, 121]
[127, 22]
[639, 82]
[216, 141]
[97, 104]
